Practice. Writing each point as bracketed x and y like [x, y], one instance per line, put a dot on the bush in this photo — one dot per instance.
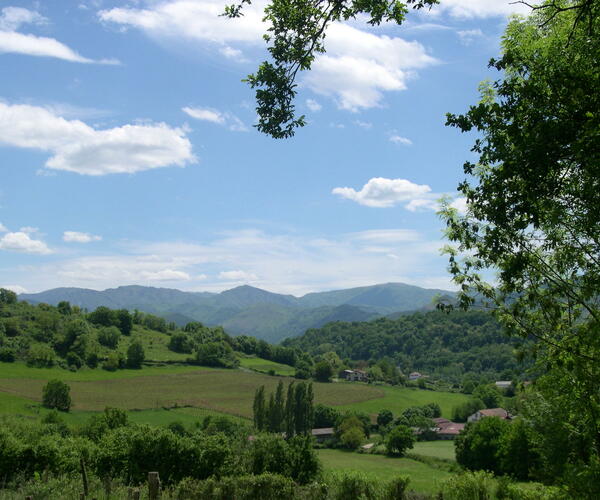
[323, 371]
[352, 438]
[469, 486]
[113, 362]
[396, 488]
[180, 342]
[56, 395]
[7, 355]
[40, 356]
[354, 485]
[135, 354]
[109, 336]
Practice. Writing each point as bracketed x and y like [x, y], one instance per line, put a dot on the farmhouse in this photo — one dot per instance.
[414, 376]
[322, 434]
[490, 412]
[355, 375]
[445, 429]
[503, 384]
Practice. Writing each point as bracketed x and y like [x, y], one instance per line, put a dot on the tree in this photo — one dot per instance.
[533, 214]
[124, 321]
[478, 446]
[109, 336]
[259, 409]
[384, 417]
[55, 394]
[323, 371]
[7, 296]
[400, 439]
[489, 394]
[135, 354]
[295, 36]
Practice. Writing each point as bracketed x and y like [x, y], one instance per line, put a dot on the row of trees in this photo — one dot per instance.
[291, 413]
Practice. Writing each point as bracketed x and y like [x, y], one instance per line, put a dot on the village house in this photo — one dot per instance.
[489, 412]
[414, 376]
[446, 429]
[355, 375]
[322, 434]
[503, 384]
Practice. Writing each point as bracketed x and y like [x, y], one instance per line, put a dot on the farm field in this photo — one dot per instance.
[423, 478]
[264, 366]
[397, 399]
[220, 390]
[436, 449]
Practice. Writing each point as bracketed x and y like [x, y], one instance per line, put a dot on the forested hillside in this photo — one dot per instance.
[436, 343]
[249, 310]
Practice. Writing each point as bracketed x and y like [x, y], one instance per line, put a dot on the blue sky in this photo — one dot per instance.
[128, 156]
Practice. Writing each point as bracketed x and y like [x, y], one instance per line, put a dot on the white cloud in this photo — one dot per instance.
[284, 263]
[469, 36]
[77, 237]
[29, 229]
[11, 41]
[365, 125]
[77, 147]
[387, 235]
[225, 119]
[165, 275]
[3, 228]
[313, 105]
[192, 20]
[21, 242]
[460, 204]
[358, 67]
[237, 276]
[419, 204]
[398, 139]
[469, 9]
[381, 192]
[15, 288]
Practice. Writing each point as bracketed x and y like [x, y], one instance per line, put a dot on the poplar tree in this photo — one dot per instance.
[259, 409]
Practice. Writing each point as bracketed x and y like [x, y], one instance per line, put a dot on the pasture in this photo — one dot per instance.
[423, 478]
[434, 449]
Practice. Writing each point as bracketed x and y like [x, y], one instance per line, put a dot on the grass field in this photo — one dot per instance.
[264, 366]
[155, 345]
[435, 449]
[397, 399]
[220, 390]
[423, 478]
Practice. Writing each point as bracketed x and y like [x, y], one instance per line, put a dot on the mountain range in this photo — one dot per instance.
[253, 311]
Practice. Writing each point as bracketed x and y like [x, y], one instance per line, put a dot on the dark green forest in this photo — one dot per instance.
[448, 346]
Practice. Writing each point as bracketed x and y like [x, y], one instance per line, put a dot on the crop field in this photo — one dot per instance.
[218, 390]
[423, 478]
[435, 449]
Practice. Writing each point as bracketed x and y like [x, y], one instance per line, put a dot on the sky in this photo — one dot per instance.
[128, 153]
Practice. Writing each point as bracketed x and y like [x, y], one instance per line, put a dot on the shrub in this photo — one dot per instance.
[354, 485]
[396, 488]
[352, 438]
[323, 371]
[7, 354]
[135, 354]
[469, 486]
[40, 356]
[478, 446]
[56, 395]
[180, 342]
[109, 336]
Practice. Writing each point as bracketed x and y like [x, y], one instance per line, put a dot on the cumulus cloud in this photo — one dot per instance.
[21, 241]
[470, 9]
[358, 67]
[212, 115]
[3, 228]
[313, 105]
[381, 192]
[398, 139]
[77, 147]
[237, 276]
[77, 237]
[11, 41]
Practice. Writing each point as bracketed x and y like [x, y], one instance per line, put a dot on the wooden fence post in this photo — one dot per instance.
[136, 494]
[153, 486]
